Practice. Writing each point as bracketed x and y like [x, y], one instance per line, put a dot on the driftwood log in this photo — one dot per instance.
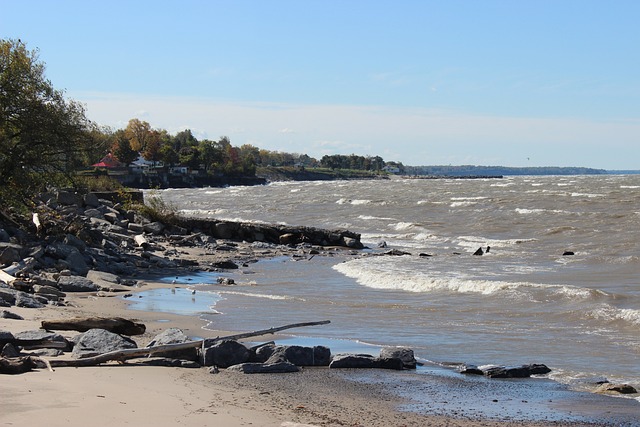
[117, 325]
[122, 355]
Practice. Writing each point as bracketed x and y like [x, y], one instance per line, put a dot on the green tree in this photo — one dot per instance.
[122, 148]
[43, 136]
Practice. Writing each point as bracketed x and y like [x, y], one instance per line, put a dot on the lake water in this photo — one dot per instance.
[522, 302]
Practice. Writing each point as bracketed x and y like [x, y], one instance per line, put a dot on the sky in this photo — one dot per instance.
[422, 82]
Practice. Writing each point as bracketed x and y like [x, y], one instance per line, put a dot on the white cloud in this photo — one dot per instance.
[412, 135]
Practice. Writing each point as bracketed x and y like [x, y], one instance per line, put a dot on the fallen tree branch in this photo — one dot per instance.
[131, 353]
[117, 325]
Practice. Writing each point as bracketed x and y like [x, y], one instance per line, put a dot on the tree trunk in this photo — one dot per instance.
[117, 325]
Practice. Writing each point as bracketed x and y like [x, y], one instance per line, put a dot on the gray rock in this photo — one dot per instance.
[353, 361]
[523, 371]
[135, 228]
[48, 290]
[10, 253]
[67, 198]
[6, 337]
[365, 361]
[173, 336]
[8, 295]
[91, 200]
[5, 314]
[99, 341]
[9, 351]
[77, 263]
[616, 388]
[40, 338]
[154, 228]
[260, 368]
[225, 353]
[26, 300]
[72, 240]
[76, 284]
[470, 370]
[402, 353]
[301, 356]
[94, 213]
[4, 236]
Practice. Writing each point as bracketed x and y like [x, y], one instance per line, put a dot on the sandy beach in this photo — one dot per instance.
[134, 394]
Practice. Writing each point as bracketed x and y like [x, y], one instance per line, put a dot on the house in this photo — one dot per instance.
[108, 161]
[142, 166]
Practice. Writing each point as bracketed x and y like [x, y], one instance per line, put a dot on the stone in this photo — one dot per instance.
[173, 336]
[99, 341]
[470, 370]
[10, 253]
[94, 213]
[402, 353]
[353, 361]
[77, 243]
[264, 368]
[5, 314]
[26, 300]
[135, 228]
[40, 338]
[9, 350]
[524, 371]
[8, 295]
[365, 361]
[76, 284]
[91, 200]
[68, 198]
[154, 228]
[225, 353]
[616, 388]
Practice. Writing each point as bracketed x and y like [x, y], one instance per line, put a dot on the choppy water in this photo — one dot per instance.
[522, 302]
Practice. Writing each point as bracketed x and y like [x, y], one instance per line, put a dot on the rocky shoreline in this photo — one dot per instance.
[82, 247]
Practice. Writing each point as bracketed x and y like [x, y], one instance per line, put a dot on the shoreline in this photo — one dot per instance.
[314, 396]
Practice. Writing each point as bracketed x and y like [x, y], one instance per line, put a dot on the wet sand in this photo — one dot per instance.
[134, 394]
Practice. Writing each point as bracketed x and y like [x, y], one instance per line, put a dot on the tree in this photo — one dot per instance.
[43, 136]
[138, 133]
[122, 148]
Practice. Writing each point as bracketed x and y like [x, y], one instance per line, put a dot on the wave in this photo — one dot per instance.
[254, 295]
[355, 202]
[609, 313]
[382, 274]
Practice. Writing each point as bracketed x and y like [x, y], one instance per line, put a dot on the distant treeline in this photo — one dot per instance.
[469, 170]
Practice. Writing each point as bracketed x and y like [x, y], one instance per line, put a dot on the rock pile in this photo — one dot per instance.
[87, 243]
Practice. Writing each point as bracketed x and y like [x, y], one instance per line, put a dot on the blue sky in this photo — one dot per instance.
[495, 82]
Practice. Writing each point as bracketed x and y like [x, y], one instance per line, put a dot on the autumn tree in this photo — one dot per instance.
[121, 148]
[138, 132]
[43, 136]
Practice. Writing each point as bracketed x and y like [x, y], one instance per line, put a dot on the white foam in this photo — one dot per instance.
[254, 295]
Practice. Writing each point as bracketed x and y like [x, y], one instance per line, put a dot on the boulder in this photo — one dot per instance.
[225, 353]
[470, 370]
[353, 361]
[91, 200]
[4, 314]
[26, 300]
[365, 361]
[402, 353]
[99, 341]
[301, 356]
[154, 228]
[9, 253]
[524, 371]
[616, 388]
[265, 368]
[40, 338]
[9, 350]
[8, 295]
[68, 198]
[173, 336]
[76, 284]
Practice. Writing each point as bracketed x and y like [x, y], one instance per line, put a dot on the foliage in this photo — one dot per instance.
[97, 182]
[43, 136]
[157, 209]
